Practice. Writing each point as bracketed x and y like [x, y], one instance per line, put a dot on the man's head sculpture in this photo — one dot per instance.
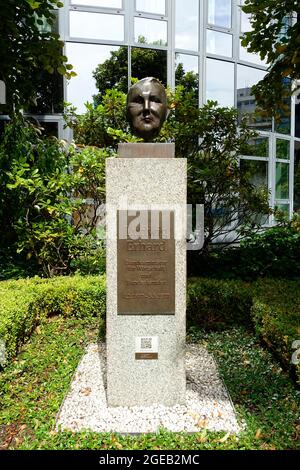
[147, 108]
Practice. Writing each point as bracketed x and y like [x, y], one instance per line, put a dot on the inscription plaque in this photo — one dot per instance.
[146, 263]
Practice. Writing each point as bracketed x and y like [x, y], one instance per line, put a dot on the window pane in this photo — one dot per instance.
[85, 58]
[258, 147]
[250, 56]
[49, 128]
[257, 171]
[219, 13]
[246, 26]
[150, 31]
[152, 6]
[99, 3]
[282, 181]
[186, 24]
[297, 178]
[246, 105]
[285, 208]
[149, 63]
[218, 43]
[186, 73]
[220, 82]
[96, 26]
[46, 27]
[283, 149]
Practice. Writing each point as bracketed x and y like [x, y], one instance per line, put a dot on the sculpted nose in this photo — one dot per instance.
[146, 105]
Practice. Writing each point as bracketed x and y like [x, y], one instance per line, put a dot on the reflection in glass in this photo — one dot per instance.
[46, 27]
[244, 55]
[49, 94]
[157, 7]
[297, 178]
[282, 181]
[283, 123]
[283, 149]
[150, 31]
[96, 26]
[245, 21]
[186, 24]
[85, 58]
[219, 13]
[220, 82]
[258, 147]
[49, 128]
[256, 171]
[218, 43]
[285, 208]
[250, 56]
[148, 63]
[246, 105]
[99, 3]
[186, 73]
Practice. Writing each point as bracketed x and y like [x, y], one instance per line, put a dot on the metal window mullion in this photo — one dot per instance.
[202, 19]
[272, 175]
[170, 10]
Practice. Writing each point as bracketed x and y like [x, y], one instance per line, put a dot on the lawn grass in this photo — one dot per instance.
[32, 388]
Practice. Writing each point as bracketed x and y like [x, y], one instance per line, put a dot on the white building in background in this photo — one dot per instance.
[204, 36]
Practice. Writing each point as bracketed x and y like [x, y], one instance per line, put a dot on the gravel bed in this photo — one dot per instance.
[208, 405]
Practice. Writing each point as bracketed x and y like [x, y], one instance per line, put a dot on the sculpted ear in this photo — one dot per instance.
[168, 112]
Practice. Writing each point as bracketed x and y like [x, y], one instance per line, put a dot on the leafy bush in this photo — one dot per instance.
[275, 252]
[26, 303]
[215, 304]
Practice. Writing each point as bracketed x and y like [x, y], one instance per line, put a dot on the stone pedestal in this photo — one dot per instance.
[146, 285]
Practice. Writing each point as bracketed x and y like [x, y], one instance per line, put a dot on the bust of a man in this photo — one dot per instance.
[147, 108]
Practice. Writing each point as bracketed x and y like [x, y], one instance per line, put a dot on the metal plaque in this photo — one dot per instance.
[146, 263]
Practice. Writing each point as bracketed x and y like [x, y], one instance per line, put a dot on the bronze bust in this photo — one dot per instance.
[147, 108]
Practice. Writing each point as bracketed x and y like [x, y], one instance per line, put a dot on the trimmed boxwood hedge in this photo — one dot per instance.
[272, 307]
[26, 303]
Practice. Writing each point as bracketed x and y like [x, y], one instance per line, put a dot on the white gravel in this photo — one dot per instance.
[208, 405]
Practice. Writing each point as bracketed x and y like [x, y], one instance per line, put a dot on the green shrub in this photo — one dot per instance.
[276, 318]
[26, 303]
[270, 306]
[214, 304]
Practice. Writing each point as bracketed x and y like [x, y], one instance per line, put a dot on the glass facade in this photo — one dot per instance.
[176, 37]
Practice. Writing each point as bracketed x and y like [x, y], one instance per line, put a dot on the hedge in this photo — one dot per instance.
[215, 304]
[276, 317]
[272, 307]
[26, 303]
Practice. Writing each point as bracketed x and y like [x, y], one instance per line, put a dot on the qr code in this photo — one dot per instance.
[146, 343]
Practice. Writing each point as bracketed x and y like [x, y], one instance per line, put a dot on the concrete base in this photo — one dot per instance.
[156, 183]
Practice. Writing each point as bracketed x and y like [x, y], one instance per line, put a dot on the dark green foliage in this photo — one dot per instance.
[30, 51]
[275, 36]
[275, 253]
[216, 304]
[27, 303]
[44, 184]
[33, 387]
[272, 307]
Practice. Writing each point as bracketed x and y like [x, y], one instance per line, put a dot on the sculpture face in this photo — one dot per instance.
[147, 108]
